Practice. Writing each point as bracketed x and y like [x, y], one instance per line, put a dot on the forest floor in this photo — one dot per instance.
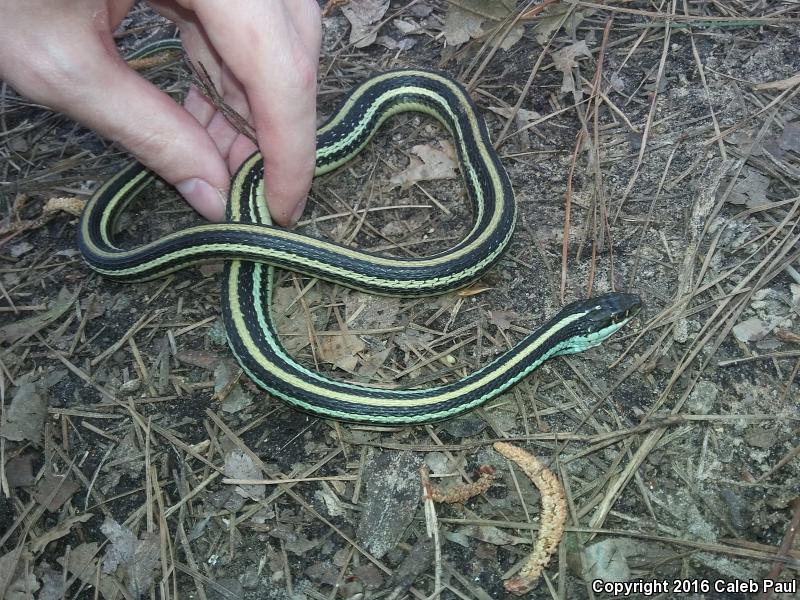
[653, 148]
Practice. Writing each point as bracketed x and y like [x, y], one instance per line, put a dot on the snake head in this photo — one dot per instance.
[587, 323]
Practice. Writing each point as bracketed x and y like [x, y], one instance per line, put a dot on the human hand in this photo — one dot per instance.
[261, 55]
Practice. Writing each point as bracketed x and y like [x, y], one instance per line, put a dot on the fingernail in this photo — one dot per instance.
[204, 198]
[298, 212]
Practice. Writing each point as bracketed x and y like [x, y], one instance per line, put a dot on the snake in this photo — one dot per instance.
[252, 247]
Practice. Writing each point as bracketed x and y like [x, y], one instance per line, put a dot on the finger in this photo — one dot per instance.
[196, 43]
[200, 107]
[229, 141]
[306, 18]
[241, 149]
[278, 74]
[222, 129]
[114, 101]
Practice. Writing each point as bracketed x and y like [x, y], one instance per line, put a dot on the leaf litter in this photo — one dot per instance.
[671, 145]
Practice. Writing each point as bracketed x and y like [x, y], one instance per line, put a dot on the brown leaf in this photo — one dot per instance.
[38, 544]
[460, 26]
[289, 319]
[24, 328]
[522, 117]
[492, 535]
[341, 350]
[548, 21]
[55, 490]
[19, 471]
[10, 582]
[324, 573]
[239, 465]
[371, 312]
[363, 16]
[502, 319]
[138, 557]
[200, 358]
[17, 250]
[83, 565]
[750, 190]
[470, 19]
[369, 575]
[433, 163]
[565, 61]
[26, 415]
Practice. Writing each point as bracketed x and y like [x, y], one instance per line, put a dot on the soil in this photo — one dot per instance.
[672, 170]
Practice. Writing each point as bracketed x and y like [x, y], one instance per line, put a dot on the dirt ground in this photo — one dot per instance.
[653, 148]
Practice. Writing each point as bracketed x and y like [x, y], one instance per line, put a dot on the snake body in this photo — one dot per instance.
[252, 247]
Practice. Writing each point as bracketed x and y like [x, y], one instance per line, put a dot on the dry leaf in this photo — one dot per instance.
[522, 117]
[373, 361]
[333, 506]
[18, 330]
[433, 163]
[502, 319]
[461, 26]
[607, 560]
[289, 320]
[226, 588]
[492, 535]
[53, 584]
[83, 565]
[509, 38]
[26, 414]
[200, 358]
[547, 22]
[19, 471]
[412, 340]
[323, 572]
[363, 16]
[751, 190]
[393, 44]
[408, 27]
[416, 562]
[22, 587]
[369, 575]
[341, 350]
[752, 330]
[17, 250]
[138, 557]
[239, 465]
[227, 388]
[466, 21]
[55, 490]
[57, 532]
[14, 585]
[565, 61]
[371, 312]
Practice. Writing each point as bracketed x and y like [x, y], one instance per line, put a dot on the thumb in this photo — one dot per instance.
[119, 104]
